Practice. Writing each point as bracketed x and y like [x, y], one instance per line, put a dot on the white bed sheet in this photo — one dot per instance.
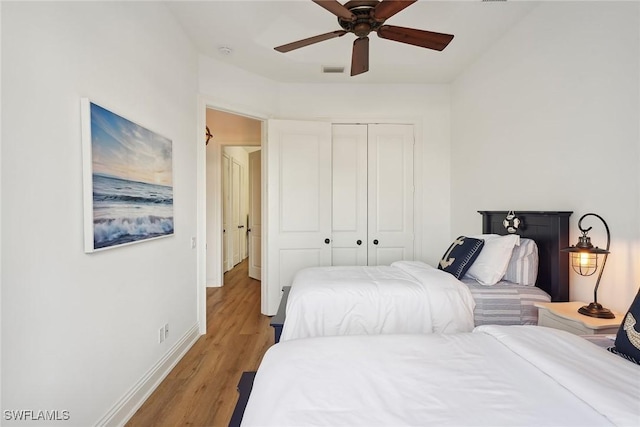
[495, 376]
[406, 297]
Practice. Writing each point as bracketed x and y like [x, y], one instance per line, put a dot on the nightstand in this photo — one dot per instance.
[565, 316]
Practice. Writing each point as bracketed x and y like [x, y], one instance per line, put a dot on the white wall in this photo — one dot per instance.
[231, 88]
[548, 119]
[79, 331]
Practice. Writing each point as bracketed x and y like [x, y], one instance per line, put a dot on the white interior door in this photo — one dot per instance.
[255, 220]
[349, 195]
[244, 207]
[237, 223]
[390, 190]
[299, 202]
[226, 214]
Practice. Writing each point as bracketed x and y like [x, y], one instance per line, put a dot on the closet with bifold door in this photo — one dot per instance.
[372, 194]
[339, 194]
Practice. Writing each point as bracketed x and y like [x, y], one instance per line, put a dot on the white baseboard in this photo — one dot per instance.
[127, 406]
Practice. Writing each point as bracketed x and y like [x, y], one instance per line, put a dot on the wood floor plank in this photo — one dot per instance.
[201, 390]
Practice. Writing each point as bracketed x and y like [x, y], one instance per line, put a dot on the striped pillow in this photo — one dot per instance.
[523, 265]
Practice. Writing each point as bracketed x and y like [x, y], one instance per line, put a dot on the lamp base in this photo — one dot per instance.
[596, 310]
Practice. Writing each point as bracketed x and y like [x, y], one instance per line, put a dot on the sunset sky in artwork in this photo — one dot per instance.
[123, 149]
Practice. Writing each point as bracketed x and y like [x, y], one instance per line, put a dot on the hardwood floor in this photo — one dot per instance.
[201, 389]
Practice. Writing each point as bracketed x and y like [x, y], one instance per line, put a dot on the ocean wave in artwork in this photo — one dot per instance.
[152, 198]
[110, 232]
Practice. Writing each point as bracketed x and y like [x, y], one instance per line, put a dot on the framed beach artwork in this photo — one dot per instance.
[128, 180]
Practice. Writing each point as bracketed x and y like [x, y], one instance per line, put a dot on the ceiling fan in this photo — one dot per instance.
[361, 17]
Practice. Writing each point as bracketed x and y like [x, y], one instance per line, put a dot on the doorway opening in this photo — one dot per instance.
[241, 204]
[233, 194]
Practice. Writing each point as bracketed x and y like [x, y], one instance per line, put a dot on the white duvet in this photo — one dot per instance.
[406, 297]
[495, 376]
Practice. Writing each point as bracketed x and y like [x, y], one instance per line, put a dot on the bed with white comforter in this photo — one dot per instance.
[495, 376]
[405, 297]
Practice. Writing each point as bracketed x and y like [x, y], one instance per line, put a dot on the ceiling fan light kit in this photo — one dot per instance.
[361, 17]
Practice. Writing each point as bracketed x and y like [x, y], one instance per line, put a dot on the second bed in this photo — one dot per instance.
[413, 297]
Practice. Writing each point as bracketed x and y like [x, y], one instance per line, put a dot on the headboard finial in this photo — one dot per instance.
[511, 222]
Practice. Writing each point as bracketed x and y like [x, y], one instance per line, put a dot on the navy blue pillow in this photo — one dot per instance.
[460, 255]
[627, 342]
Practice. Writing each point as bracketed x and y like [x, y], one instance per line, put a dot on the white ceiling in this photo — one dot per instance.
[251, 29]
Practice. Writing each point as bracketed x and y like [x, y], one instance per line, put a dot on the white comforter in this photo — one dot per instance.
[406, 297]
[495, 376]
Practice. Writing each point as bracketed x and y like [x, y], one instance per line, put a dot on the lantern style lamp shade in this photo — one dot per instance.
[584, 261]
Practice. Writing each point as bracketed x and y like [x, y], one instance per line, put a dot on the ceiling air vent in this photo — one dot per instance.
[333, 70]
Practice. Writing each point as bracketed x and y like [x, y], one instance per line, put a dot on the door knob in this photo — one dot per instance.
[359, 242]
[327, 241]
[375, 241]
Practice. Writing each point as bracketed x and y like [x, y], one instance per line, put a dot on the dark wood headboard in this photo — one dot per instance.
[550, 231]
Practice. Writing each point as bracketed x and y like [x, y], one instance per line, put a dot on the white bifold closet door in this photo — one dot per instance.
[390, 193]
[349, 195]
[337, 195]
[372, 194]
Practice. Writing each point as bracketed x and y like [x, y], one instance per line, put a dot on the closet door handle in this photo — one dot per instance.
[375, 241]
[241, 226]
[359, 242]
[327, 241]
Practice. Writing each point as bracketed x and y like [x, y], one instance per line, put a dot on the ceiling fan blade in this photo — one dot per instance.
[387, 8]
[421, 38]
[360, 56]
[336, 8]
[311, 40]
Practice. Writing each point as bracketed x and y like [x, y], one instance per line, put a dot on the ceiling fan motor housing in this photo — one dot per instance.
[364, 22]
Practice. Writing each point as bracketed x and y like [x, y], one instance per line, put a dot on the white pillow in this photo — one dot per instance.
[523, 265]
[490, 266]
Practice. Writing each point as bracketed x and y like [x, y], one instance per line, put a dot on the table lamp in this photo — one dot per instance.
[584, 260]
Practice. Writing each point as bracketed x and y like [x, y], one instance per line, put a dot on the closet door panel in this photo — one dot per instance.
[299, 202]
[387, 255]
[349, 195]
[301, 197]
[390, 190]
